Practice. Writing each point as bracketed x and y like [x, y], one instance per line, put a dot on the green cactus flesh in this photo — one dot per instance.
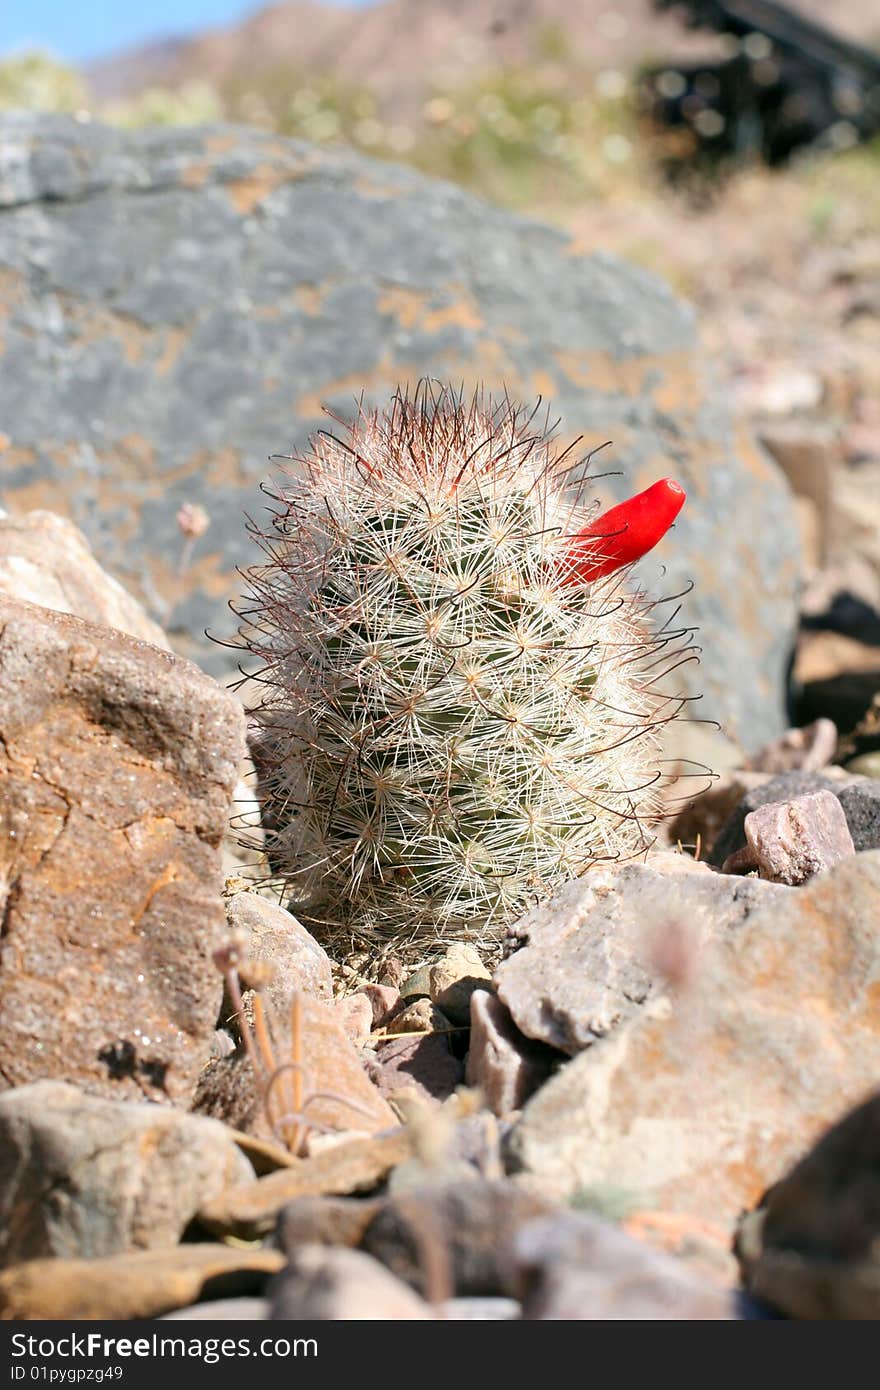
[452, 727]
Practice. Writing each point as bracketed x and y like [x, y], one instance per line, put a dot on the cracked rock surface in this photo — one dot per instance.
[699, 1101]
[606, 944]
[117, 768]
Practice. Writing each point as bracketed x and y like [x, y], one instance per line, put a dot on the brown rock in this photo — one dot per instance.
[700, 1102]
[355, 1013]
[83, 1176]
[507, 1066]
[45, 559]
[421, 1016]
[792, 841]
[325, 1221]
[323, 1284]
[811, 1248]
[383, 1000]
[117, 770]
[276, 939]
[358, 1165]
[263, 1156]
[344, 1096]
[141, 1285]
[424, 1065]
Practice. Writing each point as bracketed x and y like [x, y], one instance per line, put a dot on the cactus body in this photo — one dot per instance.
[453, 720]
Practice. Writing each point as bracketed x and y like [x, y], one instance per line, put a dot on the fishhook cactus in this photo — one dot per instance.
[462, 693]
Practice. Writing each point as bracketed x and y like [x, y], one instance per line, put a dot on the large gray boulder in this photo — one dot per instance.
[178, 304]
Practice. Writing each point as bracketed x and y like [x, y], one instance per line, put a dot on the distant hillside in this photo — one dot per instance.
[401, 47]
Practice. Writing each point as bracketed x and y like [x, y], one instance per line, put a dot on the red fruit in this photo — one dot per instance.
[624, 534]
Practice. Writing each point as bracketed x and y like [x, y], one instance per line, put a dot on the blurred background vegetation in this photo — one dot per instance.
[545, 136]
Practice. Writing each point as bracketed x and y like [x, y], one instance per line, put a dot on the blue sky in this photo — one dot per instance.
[78, 30]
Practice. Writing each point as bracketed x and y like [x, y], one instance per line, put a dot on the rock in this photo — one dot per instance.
[322, 1284]
[275, 938]
[145, 1284]
[809, 456]
[698, 1102]
[392, 973]
[355, 1013]
[263, 1156]
[174, 339]
[424, 1065]
[479, 1138]
[358, 1165]
[223, 1044]
[119, 765]
[223, 1310]
[702, 1244]
[417, 985]
[453, 980]
[384, 999]
[798, 750]
[420, 1016]
[506, 1065]
[458, 1228]
[574, 1266]
[599, 950]
[325, 1221]
[45, 559]
[792, 841]
[859, 797]
[86, 1177]
[855, 514]
[810, 1250]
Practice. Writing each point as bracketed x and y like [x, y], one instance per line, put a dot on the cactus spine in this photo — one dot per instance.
[454, 719]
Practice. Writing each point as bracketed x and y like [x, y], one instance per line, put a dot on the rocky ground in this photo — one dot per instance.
[658, 1105]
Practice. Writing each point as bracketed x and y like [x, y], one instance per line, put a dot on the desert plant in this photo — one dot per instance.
[281, 1072]
[462, 695]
